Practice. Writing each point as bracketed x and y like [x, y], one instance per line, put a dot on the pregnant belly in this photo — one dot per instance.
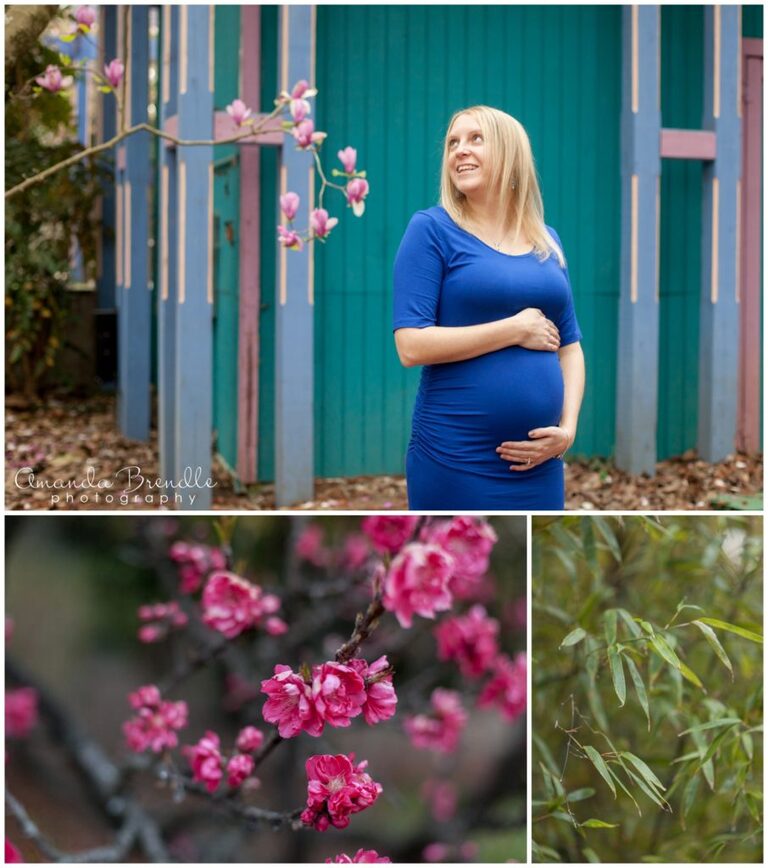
[466, 409]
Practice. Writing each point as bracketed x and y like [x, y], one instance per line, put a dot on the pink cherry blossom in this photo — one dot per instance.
[239, 768]
[321, 223]
[206, 761]
[381, 699]
[20, 711]
[52, 79]
[355, 553]
[249, 739]
[442, 798]
[12, 853]
[310, 548]
[508, 688]
[85, 17]
[357, 190]
[155, 725]
[470, 640]
[195, 561]
[389, 533]
[275, 626]
[360, 856]
[232, 605]
[436, 852]
[290, 705]
[113, 72]
[305, 134]
[288, 238]
[289, 205]
[338, 693]
[470, 541]
[337, 789]
[239, 111]
[441, 729]
[417, 583]
[159, 619]
[348, 158]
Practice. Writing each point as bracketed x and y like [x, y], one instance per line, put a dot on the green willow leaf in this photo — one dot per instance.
[598, 824]
[637, 680]
[652, 794]
[609, 536]
[573, 637]
[617, 674]
[712, 724]
[711, 637]
[716, 742]
[602, 769]
[733, 628]
[632, 625]
[609, 621]
[689, 795]
[664, 650]
[690, 675]
[581, 794]
[590, 855]
[644, 770]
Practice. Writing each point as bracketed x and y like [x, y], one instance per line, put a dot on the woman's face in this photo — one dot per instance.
[467, 156]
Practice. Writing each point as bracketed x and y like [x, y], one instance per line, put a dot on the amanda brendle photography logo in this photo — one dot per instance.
[124, 487]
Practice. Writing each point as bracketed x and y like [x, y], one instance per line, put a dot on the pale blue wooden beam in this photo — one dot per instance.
[193, 373]
[134, 299]
[719, 330]
[105, 281]
[638, 344]
[294, 321]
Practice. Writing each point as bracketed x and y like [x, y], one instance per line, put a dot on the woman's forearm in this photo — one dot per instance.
[572, 364]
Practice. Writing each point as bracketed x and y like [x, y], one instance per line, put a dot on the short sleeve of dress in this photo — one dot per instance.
[566, 322]
[418, 274]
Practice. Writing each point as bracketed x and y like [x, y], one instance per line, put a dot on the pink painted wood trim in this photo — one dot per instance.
[224, 127]
[750, 350]
[249, 347]
[688, 144]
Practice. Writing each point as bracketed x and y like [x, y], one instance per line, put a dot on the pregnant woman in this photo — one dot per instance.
[483, 301]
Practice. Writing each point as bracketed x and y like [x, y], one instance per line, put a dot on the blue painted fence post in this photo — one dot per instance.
[134, 300]
[719, 331]
[638, 344]
[294, 322]
[105, 281]
[193, 331]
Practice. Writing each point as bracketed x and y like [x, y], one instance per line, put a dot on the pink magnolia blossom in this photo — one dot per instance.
[113, 72]
[441, 729]
[337, 788]
[470, 640]
[232, 605]
[195, 562]
[239, 111]
[508, 687]
[360, 856]
[299, 109]
[249, 739]
[417, 583]
[155, 725]
[305, 134]
[159, 619]
[12, 853]
[289, 205]
[289, 704]
[470, 541]
[357, 190]
[85, 17]
[52, 79]
[206, 761]
[239, 768]
[381, 699]
[348, 158]
[302, 89]
[321, 223]
[338, 693]
[288, 238]
[20, 711]
[389, 533]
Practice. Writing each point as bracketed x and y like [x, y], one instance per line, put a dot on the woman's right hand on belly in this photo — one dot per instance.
[537, 332]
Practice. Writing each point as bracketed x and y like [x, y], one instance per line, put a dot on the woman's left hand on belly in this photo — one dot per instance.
[545, 443]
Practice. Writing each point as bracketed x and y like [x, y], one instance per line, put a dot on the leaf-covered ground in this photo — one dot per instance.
[62, 439]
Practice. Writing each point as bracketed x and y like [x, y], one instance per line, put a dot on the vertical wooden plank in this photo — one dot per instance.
[134, 317]
[294, 360]
[105, 285]
[718, 356]
[638, 345]
[250, 258]
[193, 331]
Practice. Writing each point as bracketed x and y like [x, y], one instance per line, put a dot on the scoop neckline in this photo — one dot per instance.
[480, 240]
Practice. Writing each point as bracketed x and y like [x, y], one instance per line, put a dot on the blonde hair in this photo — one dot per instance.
[513, 174]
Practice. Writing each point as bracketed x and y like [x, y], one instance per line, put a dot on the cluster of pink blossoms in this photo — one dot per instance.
[159, 619]
[360, 856]
[508, 688]
[470, 640]
[333, 694]
[469, 541]
[156, 722]
[311, 547]
[20, 711]
[441, 729]
[195, 562]
[232, 605]
[336, 789]
[389, 533]
[208, 763]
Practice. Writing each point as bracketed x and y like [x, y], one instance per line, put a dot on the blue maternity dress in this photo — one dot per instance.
[446, 276]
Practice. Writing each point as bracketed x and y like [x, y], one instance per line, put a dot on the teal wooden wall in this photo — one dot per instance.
[389, 78]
